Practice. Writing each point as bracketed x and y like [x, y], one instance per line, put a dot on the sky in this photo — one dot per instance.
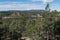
[28, 4]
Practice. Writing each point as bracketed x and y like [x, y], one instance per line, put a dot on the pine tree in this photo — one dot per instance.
[47, 7]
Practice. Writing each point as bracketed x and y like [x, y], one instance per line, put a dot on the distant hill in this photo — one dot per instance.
[25, 12]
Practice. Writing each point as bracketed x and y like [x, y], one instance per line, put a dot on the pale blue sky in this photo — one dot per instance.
[28, 4]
